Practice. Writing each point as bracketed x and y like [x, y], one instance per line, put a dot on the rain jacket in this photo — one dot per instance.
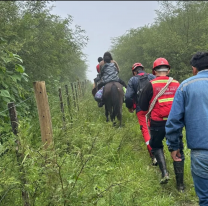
[109, 73]
[131, 92]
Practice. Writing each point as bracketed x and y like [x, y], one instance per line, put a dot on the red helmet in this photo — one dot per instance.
[137, 65]
[159, 62]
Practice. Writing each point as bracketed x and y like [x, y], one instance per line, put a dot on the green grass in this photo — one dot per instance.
[92, 163]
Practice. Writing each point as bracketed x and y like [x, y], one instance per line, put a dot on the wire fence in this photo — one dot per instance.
[64, 102]
[16, 104]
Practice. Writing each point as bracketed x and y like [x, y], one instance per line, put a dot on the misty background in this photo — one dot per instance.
[104, 20]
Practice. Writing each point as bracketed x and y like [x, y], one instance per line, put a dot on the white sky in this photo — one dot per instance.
[103, 20]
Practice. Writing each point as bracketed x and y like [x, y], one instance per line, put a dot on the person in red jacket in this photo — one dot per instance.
[131, 100]
[98, 66]
[160, 110]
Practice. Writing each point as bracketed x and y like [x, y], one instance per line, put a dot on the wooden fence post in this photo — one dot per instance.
[73, 93]
[61, 104]
[78, 88]
[13, 117]
[68, 101]
[14, 124]
[43, 112]
[85, 84]
[75, 87]
[83, 88]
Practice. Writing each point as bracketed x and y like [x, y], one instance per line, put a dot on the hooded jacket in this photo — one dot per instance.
[109, 73]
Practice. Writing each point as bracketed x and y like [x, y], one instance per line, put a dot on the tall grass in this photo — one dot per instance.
[90, 163]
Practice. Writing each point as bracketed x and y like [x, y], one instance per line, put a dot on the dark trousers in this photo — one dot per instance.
[157, 136]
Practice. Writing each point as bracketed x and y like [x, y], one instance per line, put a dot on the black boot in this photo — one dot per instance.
[152, 156]
[179, 171]
[159, 155]
[154, 161]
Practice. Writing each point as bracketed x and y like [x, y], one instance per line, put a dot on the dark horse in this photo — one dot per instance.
[113, 96]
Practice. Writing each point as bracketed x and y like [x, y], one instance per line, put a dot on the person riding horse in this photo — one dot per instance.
[108, 72]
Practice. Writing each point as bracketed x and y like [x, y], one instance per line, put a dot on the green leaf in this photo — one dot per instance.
[17, 57]
[6, 99]
[11, 54]
[6, 59]
[25, 78]
[24, 74]
[19, 68]
[10, 72]
[4, 93]
[2, 40]
[14, 78]
[4, 85]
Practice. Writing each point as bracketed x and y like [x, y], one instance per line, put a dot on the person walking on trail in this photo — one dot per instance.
[190, 109]
[108, 73]
[157, 96]
[136, 83]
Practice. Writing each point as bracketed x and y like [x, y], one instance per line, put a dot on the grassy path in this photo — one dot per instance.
[125, 176]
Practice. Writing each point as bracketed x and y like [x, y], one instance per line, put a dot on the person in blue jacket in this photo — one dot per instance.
[190, 109]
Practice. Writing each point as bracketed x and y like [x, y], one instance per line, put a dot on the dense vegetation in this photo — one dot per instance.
[90, 162]
[180, 30]
[36, 46]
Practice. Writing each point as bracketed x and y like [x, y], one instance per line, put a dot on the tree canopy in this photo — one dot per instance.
[178, 32]
[36, 45]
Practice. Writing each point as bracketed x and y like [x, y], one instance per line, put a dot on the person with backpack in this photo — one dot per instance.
[135, 85]
[108, 72]
[157, 98]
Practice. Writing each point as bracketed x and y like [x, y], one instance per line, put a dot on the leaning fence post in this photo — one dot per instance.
[43, 112]
[61, 104]
[14, 124]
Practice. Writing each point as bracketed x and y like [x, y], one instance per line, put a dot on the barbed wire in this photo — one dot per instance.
[16, 105]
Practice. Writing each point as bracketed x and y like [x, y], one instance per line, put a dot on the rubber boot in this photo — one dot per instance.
[154, 161]
[159, 155]
[179, 171]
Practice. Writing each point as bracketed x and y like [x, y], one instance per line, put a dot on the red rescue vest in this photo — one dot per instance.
[163, 104]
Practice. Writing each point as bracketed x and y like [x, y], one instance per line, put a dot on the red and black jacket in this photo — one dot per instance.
[163, 104]
[131, 92]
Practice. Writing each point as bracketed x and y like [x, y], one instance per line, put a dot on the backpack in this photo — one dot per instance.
[142, 81]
